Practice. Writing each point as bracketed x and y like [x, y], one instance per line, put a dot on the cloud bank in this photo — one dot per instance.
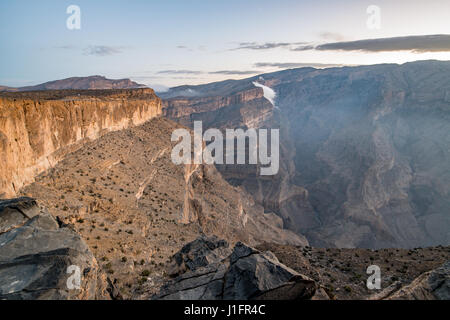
[102, 50]
[427, 43]
[179, 72]
[288, 65]
[418, 44]
[265, 46]
[234, 72]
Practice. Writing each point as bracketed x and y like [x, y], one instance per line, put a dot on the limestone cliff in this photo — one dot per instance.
[247, 107]
[37, 129]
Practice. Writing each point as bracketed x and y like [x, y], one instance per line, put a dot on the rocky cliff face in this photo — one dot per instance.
[431, 285]
[372, 149]
[244, 108]
[364, 151]
[38, 129]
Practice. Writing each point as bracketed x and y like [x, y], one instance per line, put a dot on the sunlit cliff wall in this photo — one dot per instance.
[38, 129]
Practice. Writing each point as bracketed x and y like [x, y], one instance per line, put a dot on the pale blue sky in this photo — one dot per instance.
[176, 42]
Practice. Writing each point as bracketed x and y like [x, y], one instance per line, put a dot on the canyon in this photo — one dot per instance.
[109, 177]
[364, 157]
[364, 167]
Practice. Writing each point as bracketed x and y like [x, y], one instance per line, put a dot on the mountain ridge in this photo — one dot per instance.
[95, 82]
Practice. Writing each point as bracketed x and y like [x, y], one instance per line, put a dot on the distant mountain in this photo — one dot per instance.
[5, 88]
[81, 83]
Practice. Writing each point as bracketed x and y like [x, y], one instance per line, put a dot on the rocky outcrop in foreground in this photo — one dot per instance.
[208, 269]
[432, 285]
[342, 273]
[35, 254]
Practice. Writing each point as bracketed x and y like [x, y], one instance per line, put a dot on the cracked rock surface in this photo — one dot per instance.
[207, 269]
[431, 285]
[35, 253]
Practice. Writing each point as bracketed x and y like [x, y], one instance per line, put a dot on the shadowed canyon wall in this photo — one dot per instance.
[364, 151]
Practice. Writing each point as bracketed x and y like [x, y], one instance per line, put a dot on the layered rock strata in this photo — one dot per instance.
[38, 129]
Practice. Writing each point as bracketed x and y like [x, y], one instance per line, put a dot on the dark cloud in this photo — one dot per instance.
[66, 47]
[199, 48]
[303, 48]
[287, 65]
[186, 48]
[180, 72]
[102, 50]
[265, 46]
[234, 72]
[186, 78]
[426, 43]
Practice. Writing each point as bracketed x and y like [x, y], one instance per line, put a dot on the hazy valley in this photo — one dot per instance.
[364, 150]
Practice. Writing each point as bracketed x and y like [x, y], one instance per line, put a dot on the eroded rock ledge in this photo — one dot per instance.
[35, 253]
[431, 285]
[208, 269]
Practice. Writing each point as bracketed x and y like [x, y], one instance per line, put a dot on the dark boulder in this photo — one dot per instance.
[431, 285]
[36, 253]
[242, 273]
